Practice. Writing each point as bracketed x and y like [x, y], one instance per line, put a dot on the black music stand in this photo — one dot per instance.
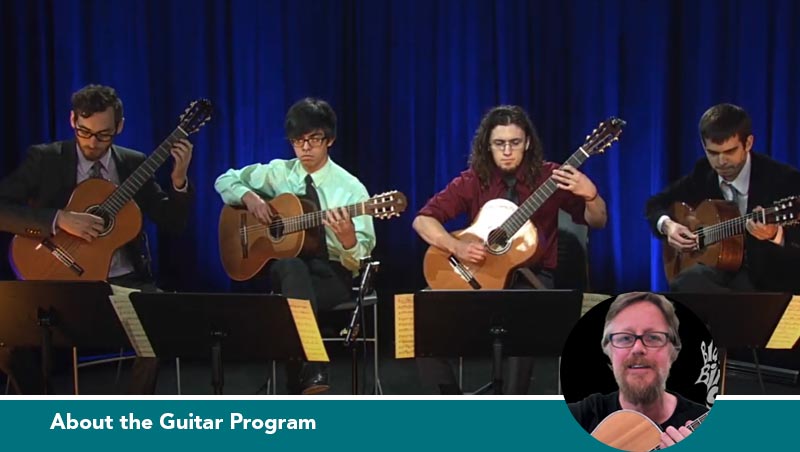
[251, 327]
[50, 314]
[736, 320]
[496, 322]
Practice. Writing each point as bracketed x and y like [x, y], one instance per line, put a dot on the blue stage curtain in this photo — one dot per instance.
[410, 81]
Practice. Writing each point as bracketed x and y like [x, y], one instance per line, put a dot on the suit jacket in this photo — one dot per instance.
[43, 183]
[771, 267]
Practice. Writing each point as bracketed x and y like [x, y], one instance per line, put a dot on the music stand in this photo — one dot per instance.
[496, 322]
[251, 327]
[50, 314]
[736, 320]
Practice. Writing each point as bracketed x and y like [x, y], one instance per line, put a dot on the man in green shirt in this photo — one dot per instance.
[326, 277]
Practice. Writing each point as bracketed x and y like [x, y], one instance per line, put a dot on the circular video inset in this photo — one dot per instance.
[640, 372]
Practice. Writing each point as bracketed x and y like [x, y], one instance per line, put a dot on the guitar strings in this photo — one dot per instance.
[303, 221]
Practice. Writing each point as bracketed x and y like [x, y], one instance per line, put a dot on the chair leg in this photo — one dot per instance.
[376, 352]
[274, 380]
[178, 374]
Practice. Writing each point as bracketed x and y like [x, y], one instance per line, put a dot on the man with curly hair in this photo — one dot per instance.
[507, 162]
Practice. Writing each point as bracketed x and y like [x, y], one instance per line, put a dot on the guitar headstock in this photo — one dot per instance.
[603, 136]
[196, 115]
[785, 211]
[386, 205]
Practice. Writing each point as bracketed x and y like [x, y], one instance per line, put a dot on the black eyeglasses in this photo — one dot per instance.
[312, 141]
[101, 136]
[652, 339]
[500, 145]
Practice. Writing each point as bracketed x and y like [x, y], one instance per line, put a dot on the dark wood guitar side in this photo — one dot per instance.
[720, 230]
[725, 254]
[246, 245]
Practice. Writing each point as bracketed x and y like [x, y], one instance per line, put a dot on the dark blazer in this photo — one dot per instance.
[42, 184]
[771, 267]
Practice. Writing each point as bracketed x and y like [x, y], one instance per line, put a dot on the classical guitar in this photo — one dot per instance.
[720, 232]
[510, 237]
[246, 245]
[65, 257]
[633, 431]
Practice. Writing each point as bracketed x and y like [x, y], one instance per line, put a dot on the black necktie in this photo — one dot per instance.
[313, 196]
[96, 171]
[511, 183]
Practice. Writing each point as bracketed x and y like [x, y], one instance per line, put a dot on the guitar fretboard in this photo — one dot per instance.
[128, 189]
[729, 228]
[542, 194]
[312, 219]
[696, 423]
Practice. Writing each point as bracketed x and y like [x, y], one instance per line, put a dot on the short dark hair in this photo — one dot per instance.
[310, 114]
[660, 301]
[720, 122]
[481, 160]
[93, 99]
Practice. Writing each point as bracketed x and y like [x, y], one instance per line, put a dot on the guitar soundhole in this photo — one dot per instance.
[498, 241]
[276, 229]
[108, 219]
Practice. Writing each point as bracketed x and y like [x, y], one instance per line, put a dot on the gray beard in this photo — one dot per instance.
[639, 395]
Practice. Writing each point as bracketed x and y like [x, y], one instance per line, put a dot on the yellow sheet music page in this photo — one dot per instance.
[404, 325]
[308, 330]
[788, 330]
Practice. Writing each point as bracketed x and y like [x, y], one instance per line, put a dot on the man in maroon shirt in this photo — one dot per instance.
[507, 162]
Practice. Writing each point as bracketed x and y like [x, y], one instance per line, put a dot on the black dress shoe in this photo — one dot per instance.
[314, 379]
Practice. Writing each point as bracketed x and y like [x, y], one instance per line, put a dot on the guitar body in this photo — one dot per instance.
[496, 270]
[94, 258]
[246, 246]
[628, 430]
[725, 255]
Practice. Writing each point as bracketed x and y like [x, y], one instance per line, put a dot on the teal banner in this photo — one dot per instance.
[355, 425]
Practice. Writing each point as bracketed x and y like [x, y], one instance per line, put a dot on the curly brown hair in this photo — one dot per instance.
[481, 160]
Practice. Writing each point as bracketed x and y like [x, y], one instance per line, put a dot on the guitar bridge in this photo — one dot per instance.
[62, 256]
[464, 273]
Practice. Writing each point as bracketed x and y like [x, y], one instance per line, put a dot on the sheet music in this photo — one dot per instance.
[120, 300]
[306, 324]
[788, 329]
[404, 326]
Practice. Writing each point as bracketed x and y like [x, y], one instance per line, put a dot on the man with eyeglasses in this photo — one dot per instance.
[507, 162]
[326, 277]
[640, 337]
[34, 196]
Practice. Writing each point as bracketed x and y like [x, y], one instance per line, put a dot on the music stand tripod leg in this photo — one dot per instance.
[497, 359]
[45, 321]
[217, 371]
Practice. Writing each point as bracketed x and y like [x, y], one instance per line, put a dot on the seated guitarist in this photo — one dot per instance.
[640, 337]
[507, 162]
[325, 278]
[33, 197]
[732, 172]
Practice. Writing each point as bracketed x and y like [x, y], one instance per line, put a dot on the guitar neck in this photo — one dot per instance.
[128, 189]
[542, 194]
[696, 423]
[314, 219]
[730, 228]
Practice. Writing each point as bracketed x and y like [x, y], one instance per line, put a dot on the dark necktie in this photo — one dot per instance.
[511, 183]
[735, 197]
[313, 196]
[96, 171]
